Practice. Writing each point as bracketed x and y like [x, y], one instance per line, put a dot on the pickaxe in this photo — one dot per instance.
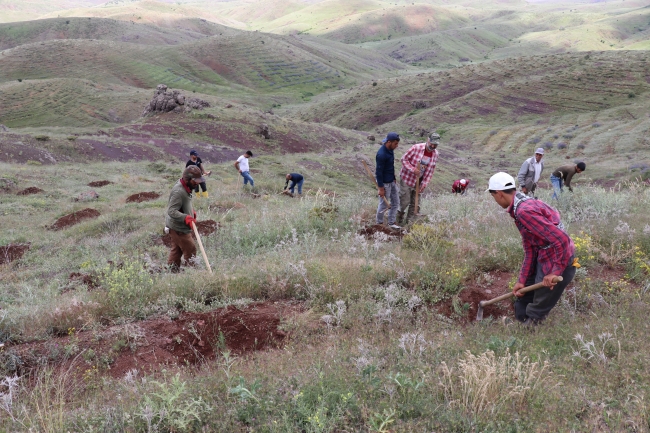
[479, 313]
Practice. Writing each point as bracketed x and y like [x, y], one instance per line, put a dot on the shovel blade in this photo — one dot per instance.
[479, 313]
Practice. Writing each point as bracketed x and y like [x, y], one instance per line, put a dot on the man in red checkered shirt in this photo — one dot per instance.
[548, 249]
[418, 162]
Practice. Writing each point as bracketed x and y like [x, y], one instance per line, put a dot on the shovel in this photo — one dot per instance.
[479, 313]
[198, 238]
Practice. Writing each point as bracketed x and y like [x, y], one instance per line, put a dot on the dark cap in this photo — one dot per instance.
[194, 152]
[193, 172]
[392, 136]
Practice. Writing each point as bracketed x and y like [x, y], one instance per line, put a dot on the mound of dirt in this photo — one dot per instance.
[74, 218]
[142, 196]
[162, 342]
[164, 102]
[11, 252]
[204, 227]
[99, 183]
[374, 231]
[30, 190]
[475, 293]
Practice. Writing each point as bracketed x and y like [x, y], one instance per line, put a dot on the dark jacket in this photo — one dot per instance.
[566, 173]
[385, 172]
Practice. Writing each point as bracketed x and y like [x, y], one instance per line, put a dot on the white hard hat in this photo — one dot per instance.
[463, 182]
[501, 181]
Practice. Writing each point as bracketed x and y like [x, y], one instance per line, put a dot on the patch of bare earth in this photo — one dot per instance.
[99, 183]
[376, 230]
[203, 227]
[29, 191]
[142, 196]
[74, 218]
[150, 345]
[11, 252]
[474, 293]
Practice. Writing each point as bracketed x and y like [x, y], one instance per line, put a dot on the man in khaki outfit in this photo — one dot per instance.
[180, 216]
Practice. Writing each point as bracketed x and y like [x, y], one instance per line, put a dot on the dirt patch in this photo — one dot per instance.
[473, 293]
[154, 344]
[29, 191]
[204, 228]
[74, 218]
[142, 196]
[86, 279]
[222, 207]
[11, 252]
[379, 230]
[99, 183]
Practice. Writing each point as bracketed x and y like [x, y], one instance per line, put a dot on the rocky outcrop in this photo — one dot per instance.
[165, 100]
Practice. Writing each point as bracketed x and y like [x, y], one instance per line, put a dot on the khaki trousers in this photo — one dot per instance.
[182, 246]
[406, 198]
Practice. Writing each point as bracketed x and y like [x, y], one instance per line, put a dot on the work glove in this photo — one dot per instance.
[189, 220]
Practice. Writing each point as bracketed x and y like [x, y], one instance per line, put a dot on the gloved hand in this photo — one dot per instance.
[189, 220]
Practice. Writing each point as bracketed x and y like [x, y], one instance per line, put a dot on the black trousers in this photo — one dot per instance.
[204, 188]
[538, 303]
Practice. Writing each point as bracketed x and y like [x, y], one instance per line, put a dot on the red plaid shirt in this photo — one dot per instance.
[410, 161]
[544, 242]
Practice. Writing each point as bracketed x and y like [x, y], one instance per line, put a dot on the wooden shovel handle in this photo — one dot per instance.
[523, 290]
[198, 238]
[374, 180]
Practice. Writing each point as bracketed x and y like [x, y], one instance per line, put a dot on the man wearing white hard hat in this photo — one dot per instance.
[548, 249]
[530, 172]
[459, 186]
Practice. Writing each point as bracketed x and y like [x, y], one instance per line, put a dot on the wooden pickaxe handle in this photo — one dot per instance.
[417, 192]
[374, 180]
[198, 238]
[523, 290]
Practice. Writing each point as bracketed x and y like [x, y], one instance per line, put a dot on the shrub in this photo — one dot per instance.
[561, 145]
[129, 287]
[42, 137]
[548, 145]
[427, 237]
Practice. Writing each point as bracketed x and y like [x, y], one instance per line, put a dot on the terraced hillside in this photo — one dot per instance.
[500, 91]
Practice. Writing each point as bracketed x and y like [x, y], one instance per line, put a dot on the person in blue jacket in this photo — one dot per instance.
[296, 179]
[386, 181]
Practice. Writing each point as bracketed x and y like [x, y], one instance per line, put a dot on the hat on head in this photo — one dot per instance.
[391, 136]
[501, 181]
[194, 152]
[463, 182]
[434, 138]
[193, 172]
[540, 150]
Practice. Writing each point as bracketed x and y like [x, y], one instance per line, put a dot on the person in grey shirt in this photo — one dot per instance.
[563, 175]
[530, 172]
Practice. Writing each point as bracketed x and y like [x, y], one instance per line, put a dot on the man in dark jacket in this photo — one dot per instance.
[296, 179]
[548, 249]
[386, 184]
[563, 175]
[196, 160]
[180, 216]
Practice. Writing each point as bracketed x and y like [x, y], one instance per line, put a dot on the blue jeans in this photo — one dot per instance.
[557, 187]
[247, 178]
[392, 194]
[293, 185]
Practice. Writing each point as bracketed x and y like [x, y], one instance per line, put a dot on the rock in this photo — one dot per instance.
[264, 130]
[371, 138]
[3, 128]
[87, 196]
[165, 101]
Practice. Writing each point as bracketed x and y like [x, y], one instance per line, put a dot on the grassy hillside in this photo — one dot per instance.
[32, 9]
[15, 34]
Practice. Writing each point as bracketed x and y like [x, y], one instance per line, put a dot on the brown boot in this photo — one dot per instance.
[400, 217]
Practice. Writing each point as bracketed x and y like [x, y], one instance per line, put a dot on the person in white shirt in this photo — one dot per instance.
[242, 166]
[530, 172]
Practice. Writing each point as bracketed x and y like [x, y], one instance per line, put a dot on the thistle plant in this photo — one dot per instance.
[589, 351]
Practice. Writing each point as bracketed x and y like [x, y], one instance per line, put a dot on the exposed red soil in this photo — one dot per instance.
[99, 183]
[11, 252]
[474, 293]
[30, 190]
[154, 344]
[142, 196]
[88, 280]
[74, 218]
[370, 231]
[204, 228]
